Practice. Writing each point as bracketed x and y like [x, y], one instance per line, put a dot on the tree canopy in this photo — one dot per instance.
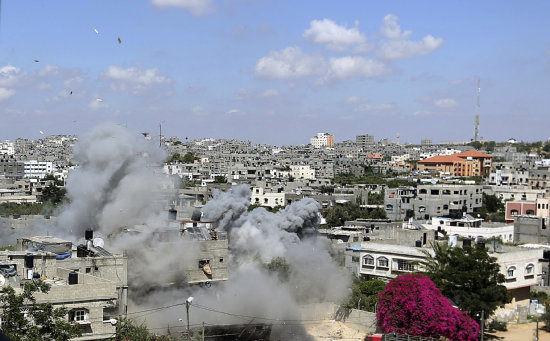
[468, 276]
[337, 215]
[364, 294]
[43, 321]
[412, 304]
[53, 194]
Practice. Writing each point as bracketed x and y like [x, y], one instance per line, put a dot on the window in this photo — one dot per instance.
[514, 212]
[78, 315]
[221, 260]
[382, 262]
[530, 212]
[529, 269]
[389, 207]
[403, 265]
[368, 260]
[355, 259]
[511, 272]
[203, 262]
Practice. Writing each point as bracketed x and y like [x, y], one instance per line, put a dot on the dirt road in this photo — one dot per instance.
[520, 332]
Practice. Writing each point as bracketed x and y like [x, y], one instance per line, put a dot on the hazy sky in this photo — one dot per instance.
[276, 71]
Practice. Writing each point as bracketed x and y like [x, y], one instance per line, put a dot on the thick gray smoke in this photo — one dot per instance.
[117, 186]
[114, 185]
[257, 238]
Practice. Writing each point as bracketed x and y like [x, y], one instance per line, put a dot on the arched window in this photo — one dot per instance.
[368, 260]
[511, 272]
[514, 212]
[530, 212]
[530, 269]
[382, 262]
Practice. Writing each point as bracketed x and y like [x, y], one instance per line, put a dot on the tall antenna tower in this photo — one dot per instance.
[476, 131]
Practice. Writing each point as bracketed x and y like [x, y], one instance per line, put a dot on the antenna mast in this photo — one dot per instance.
[476, 131]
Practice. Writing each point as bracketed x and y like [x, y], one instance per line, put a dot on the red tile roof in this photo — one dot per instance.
[473, 153]
[442, 159]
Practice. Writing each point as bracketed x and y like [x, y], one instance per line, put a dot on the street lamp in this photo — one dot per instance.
[187, 304]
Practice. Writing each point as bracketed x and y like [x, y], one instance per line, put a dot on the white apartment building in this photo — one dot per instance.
[322, 140]
[271, 199]
[38, 169]
[7, 147]
[302, 172]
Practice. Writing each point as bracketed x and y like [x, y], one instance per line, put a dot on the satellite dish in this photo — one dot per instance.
[2, 280]
[98, 242]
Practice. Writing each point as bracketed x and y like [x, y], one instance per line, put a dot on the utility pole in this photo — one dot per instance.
[187, 304]
[482, 324]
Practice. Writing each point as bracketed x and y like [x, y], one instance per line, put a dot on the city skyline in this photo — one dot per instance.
[275, 72]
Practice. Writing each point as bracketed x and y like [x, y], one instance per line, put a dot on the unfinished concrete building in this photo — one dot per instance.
[88, 280]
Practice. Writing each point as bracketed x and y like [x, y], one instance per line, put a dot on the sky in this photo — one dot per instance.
[276, 72]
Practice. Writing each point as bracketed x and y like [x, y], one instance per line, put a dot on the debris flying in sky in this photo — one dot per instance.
[41, 132]
[99, 100]
[96, 31]
[119, 40]
[36, 60]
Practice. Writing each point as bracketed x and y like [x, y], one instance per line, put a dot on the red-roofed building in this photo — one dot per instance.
[485, 160]
[374, 156]
[470, 163]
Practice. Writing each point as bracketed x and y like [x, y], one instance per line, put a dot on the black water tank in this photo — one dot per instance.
[466, 242]
[172, 214]
[410, 213]
[366, 239]
[481, 245]
[546, 254]
[81, 251]
[418, 243]
[73, 278]
[89, 234]
[29, 261]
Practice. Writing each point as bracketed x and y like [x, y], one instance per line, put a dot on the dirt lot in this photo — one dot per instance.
[521, 332]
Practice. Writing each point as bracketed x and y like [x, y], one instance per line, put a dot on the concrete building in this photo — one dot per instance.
[302, 172]
[88, 280]
[468, 163]
[38, 169]
[10, 167]
[531, 229]
[522, 267]
[470, 227]
[426, 201]
[7, 148]
[539, 178]
[364, 140]
[322, 140]
[261, 196]
[515, 208]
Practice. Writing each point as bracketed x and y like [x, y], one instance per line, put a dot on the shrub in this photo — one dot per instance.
[412, 304]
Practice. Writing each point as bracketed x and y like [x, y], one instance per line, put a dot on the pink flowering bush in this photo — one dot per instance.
[412, 304]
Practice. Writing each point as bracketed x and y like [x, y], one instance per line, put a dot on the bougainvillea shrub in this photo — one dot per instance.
[412, 304]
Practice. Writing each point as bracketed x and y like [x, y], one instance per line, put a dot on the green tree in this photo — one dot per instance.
[220, 179]
[364, 294]
[468, 276]
[53, 194]
[376, 198]
[189, 158]
[43, 321]
[127, 330]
